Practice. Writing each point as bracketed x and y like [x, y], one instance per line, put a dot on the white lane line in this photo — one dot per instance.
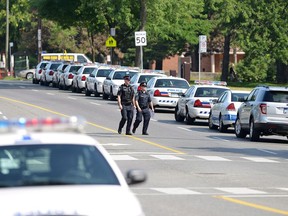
[50, 93]
[285, 189]
[220, 139]
[260, 160]
[241, 190]
[175, 191]
[35, 90]
[22, 87]
[167, 157]
[213, 158]
[184, 129]
[153, 120]
[95, 103]
[270, 152]
[123, 157]
[72, 98]
[114, 144]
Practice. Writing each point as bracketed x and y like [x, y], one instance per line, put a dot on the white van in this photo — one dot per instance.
[75, 57]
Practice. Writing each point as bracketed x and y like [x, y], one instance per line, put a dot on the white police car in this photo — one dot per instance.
[197, 100]
[47, 169]
[166, 91]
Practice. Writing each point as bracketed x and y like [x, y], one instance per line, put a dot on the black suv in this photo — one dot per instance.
[263, 113]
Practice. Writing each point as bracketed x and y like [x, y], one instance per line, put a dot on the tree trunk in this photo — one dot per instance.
[143, 19]
[226, 58]
[282, 72]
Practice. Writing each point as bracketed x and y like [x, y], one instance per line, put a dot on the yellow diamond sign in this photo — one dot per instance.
[111, 42]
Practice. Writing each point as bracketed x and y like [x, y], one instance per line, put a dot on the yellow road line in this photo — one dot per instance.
[265, 208]
[92, 124]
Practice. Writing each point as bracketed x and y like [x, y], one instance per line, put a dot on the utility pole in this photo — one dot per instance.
[39, 37]
[7, 60]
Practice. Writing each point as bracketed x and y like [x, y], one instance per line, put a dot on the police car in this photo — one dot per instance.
[166, 91]
[47, 168]
[66, 78]
[198, 99]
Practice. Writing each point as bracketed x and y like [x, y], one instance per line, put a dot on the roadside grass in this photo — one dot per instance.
[12, 78]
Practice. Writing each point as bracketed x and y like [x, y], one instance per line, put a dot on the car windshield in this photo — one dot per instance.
[276, 96]
[209, 92]
[171, 83]
[103, 72]
[121, 74]
[57, 164]
[145, 78]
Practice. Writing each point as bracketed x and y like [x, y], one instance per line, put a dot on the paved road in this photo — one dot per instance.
[191, 169]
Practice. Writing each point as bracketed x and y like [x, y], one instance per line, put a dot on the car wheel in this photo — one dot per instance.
[239, 132]
[111, 96]
[210, 123]
[29, 76]
[87, 92]
[222, 128]
[253, 133]
[177, 115]
[96, 93]
[105, 96]
[189, 120]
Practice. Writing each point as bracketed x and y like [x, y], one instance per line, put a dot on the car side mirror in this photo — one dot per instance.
[135, 177]
[214, 101]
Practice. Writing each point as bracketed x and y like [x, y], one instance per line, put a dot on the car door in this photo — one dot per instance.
[91, 80]
[184, 99]
[218, 107]
[247, 106]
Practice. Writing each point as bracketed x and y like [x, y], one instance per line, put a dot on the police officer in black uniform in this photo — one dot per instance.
[126, 102]
[143, 101]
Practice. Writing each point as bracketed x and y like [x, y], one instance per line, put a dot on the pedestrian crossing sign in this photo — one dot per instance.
[111, 42]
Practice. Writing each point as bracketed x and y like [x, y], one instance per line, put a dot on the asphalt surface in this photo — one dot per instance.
[191, 170]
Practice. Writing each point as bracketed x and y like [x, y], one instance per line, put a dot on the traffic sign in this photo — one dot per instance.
[202, 43]
[140, 38]
[111, 42]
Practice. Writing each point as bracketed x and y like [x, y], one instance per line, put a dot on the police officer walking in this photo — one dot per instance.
[142, 100]
[126, 102]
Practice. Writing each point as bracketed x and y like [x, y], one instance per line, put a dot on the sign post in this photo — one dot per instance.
[140, 40]
[111, 42]
[202, 49]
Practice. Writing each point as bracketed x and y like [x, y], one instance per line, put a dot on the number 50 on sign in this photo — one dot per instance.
[140, 38]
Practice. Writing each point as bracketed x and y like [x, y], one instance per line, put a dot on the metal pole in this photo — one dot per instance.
[199, 64]
[141, 56]
[7, 37]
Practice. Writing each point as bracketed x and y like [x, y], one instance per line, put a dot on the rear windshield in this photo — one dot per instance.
[88, 70]
[276, 96]
[171, 83]
[74, 69]
[145, 78]
[209, 92]
[103, 72]
[54, 66]
[121, 74]
[43, 65]
[31, 165]
[239, 97]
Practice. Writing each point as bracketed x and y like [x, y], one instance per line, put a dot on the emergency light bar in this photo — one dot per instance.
[55, 124]
[208, 82]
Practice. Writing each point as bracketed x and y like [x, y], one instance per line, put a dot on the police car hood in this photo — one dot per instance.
[69, 200]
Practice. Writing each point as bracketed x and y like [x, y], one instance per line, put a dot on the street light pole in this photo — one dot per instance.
[7, 38]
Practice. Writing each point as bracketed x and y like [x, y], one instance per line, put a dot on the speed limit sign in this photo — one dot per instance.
[140, 38]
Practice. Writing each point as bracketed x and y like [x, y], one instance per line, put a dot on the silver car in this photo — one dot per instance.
[39, 69]
[263, 113]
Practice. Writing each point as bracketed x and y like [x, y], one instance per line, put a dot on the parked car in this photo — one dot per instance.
[263, 113]
[79, 80]
[224, 110]
[38, 71]
[94, 82]
[47, 168]
[166, 91]
[112, 83]
[145, 76]
[48, 71]
[196, 102]
[58, 72]
[27, 74]
[66, 78]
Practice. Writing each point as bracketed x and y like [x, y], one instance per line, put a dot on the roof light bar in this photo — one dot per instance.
[208, 82]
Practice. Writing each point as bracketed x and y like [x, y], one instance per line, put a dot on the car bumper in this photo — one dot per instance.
[229, 119]
[272, 128]
[199, 113]
[81, 84]
[165, 102]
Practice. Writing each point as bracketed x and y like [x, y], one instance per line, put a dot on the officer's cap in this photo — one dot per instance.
[126, 77]
[144, 84]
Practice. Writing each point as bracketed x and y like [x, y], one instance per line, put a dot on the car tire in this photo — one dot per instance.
[105, 96]
[87, 92]
[29, 76]
[222, 128]
[111, 96]
[189, 120]
[96, 93]
[177, 116]
[210, 123]
[239, 131]
[254, 134]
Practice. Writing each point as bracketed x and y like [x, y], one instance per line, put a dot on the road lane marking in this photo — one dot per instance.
[50, 93]
[95, 103]
[260, 160]
[213, 158]
[22, 87]
[220, 139]
[167, 157]
[184, 129]
[122, 157]
[241, 190]
[153, 120]
[94, 125]
[72, 98]
[36, 90]
[114, 144]
[175, 191]
[253, 205]
[270, 152]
